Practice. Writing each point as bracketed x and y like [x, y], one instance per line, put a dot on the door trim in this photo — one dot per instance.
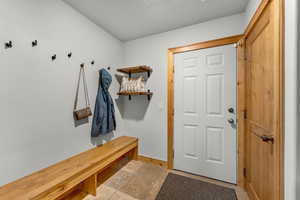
[240, 89]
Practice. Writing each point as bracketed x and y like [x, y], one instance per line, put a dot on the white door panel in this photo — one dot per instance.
[205, 88]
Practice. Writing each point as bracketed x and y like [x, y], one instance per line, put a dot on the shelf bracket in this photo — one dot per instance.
[149, 96]
[129, 97]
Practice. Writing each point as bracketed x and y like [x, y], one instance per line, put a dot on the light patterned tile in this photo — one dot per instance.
[116, 196]
[145, 182]
[121, 196]
[104, 192]
[156, 188]
[133, 166]
[151, 172]
[121, 178]
[89, 197]
[137, 188]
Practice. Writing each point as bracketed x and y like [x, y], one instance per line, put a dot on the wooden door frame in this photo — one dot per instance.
[241, 89]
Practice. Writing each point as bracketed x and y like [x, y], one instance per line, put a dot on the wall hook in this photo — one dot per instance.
[8, 45]
[93, 62]
[53, 57]
[70, 54]
[108, 68]
[82, 65]
[34, 43]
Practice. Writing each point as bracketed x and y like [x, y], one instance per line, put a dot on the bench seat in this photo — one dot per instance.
[55, 181]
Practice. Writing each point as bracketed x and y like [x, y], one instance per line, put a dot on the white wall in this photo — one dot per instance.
[291, 100]
[36, 94]
[250, 10]
[146, 121]
[292, 150]
[296, 4]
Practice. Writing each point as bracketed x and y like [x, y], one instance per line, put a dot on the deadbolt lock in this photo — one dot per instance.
[231, 110]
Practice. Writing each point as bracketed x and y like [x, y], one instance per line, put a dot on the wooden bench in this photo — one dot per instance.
[80, 172]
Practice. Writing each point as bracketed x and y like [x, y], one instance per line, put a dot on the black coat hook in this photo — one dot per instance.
[8, 44]
[34, 43]
[53, 57]
[93, 62]
[70, 54]
[82, 65]
[108, 68]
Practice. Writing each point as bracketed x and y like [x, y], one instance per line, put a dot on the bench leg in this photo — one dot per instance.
[90, 185]
[135, 153]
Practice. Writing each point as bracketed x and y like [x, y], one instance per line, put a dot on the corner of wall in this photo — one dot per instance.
[250, 10]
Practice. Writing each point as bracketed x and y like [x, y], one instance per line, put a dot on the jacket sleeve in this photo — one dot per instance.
[98, 118]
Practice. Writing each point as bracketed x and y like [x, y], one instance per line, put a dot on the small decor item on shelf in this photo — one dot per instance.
[124, 84]
[85, 112]
[132, 84]
[142, 85]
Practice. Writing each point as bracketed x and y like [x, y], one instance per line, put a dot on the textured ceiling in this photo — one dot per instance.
[132, 19]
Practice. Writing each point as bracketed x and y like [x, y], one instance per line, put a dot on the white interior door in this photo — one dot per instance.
[205, 113]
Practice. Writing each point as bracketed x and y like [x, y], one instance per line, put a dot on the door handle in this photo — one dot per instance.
[230, 121]
[266, 138]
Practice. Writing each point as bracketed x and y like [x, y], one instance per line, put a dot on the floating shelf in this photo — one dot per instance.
[135, 93]
[149, 94]
[133, 70]
[137, 69]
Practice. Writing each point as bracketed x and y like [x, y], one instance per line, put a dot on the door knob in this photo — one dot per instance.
[231, 110]
[266, 138]
[231, 121]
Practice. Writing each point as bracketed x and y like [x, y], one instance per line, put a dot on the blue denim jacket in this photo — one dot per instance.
[104, 120]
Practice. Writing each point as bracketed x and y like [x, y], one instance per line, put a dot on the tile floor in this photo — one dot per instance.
[142, 181]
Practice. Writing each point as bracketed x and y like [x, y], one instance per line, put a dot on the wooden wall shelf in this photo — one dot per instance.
[137, 69]
[149, 94]
[133, 70]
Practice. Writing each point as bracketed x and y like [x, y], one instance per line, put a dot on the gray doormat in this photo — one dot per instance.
[178, 187]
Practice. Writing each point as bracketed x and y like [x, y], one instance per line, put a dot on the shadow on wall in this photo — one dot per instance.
[96, 141]
[102, 139]
[134, 109]
[80, 122]
[119, 78]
